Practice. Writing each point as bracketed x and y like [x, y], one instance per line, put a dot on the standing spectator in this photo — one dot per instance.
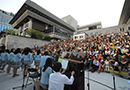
[101, 66]
[107, 65]
[123, 62]
[95, 65]
[55, 57]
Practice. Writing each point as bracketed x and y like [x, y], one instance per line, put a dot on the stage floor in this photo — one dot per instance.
[7, 82]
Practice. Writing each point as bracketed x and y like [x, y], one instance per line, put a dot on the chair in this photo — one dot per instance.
[32, 73]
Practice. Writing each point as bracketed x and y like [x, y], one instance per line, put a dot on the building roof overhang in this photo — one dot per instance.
[125, 15]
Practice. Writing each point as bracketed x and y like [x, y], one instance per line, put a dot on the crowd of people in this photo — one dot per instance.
[101, 51]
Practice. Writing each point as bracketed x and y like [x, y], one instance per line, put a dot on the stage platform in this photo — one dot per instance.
[7, 82]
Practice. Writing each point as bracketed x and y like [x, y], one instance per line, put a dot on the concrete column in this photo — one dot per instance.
[1, 40]
[30, 23]
[18, 32]
[6, 40]
[53, 31]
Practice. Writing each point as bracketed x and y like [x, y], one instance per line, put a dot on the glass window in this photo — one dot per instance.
[0, 27]
[81, 36]
[123, 29]
[76, 37]
[128, 28]
[2, 18]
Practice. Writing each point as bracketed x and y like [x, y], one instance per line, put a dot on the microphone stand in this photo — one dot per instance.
[88, 66]
[114, 78]
[88, 78]
[23, 80]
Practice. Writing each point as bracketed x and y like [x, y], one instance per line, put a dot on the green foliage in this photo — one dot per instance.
[10, 31]
[47, 37]
[34, 33]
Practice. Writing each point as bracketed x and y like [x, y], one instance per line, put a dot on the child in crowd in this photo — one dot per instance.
[107, 65]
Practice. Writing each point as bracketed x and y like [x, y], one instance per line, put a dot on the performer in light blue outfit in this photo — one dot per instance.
[17, 61]
[10, 60]
[37, 59]
[27, 60]
[43, 59]
[46, 71]
[4, 58]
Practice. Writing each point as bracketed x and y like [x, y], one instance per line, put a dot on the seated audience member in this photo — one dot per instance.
[128, 56]
[55, 57]
[123, 62]
[89, 62]
[46, 71]
[114, 54]
[57, 80]
[95, 65]
[115, 67]
[101, 66]
[107, 53]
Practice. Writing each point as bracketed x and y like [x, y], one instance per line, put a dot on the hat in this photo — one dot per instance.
[111, 43]
[101, 60]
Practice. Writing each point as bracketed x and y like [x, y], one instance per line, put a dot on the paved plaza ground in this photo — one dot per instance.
[7, 82]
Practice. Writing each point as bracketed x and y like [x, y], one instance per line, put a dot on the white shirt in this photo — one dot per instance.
[57, 81]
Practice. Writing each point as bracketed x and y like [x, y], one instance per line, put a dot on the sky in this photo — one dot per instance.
[83, 11]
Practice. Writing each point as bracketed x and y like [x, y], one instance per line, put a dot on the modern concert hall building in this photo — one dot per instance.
[31, 15]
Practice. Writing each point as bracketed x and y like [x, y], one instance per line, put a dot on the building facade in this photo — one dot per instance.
[5, 18]
[71, 21]
[124, 25]
[88, 27]
[31, 15]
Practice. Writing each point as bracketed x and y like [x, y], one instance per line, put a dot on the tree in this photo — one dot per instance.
[34, 33]
[10, 31]
[47, 37]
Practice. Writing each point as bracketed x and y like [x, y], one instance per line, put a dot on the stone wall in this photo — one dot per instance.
[12, 41]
